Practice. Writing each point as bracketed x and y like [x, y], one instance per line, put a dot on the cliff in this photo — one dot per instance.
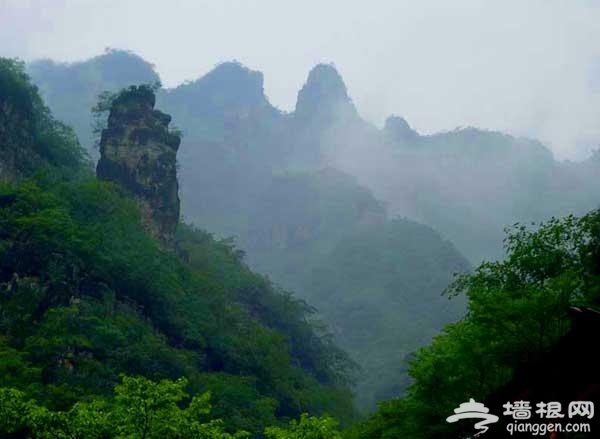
[138, 151]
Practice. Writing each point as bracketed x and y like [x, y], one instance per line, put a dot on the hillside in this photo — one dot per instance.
[532, 317]
[71, 90]
[377, 282]
[87, 294]
[31, 138]
[296, 189]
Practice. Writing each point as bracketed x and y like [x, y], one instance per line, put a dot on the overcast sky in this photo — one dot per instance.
[526, 67]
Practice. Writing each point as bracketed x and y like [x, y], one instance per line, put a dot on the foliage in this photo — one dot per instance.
[140, 409]
[71, 89]
[517, 310]
[87, 295]
[262, 180]
[30, 137]
[105, 101]
[308, 427]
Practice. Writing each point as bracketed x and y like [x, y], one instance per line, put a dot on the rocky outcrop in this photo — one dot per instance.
[324, 98]
[71, 89]
[138, 151]
[323, 117]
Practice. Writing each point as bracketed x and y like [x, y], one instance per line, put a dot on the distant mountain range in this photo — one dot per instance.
[310, 193]
[467, 183]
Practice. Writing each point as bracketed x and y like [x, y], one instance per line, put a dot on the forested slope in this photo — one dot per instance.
[86, 294]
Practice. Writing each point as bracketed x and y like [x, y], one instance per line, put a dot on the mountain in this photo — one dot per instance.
[526, 337]
[71, 89]
[230, 128]
[31, 138]
[295, 188]
[377, 282]
[468, 183]
[88, 295]
[138, 151]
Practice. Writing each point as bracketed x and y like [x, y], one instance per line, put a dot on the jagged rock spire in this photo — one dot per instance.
[138, 151]
[324, 96]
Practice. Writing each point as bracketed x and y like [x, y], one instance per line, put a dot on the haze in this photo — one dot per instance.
[527, 68]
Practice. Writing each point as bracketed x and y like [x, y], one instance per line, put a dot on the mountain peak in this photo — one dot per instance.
[115, 69]
[397, 129]
[233, 72]
[228, 85]
[327, 78]
[324, 94]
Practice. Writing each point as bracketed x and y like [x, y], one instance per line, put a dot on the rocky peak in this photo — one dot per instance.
[324, 96]
[236, 83]
[138, 151]
[397, 130]
[228, 86]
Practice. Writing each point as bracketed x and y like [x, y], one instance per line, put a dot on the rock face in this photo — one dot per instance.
[138, 151]
[324, 97]
[71, 89]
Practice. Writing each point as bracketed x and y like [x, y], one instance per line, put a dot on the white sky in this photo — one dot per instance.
[527, 67]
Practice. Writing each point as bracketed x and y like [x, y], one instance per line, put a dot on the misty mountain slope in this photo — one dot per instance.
[302, 215]
[380, 290]
[87, 294]
[531, 317]
[377, 282]
[71, 89]
[230, 127]
[322, 106]
[30, 137]
[292, 188]
[468, 183]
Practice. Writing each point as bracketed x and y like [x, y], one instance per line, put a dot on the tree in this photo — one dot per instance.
[141, 409]
[308, 427]
[518, 309]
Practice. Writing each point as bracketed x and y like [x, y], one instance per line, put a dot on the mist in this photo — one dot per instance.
[321, 219]
[525, 68]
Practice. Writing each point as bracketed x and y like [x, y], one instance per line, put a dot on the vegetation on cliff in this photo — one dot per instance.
[328, 238]
[30, 137]
[139, 152]
[86, 294]
[518, 310]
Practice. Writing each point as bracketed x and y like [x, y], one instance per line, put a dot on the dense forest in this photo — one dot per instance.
[295, 189]
[327, 278]
[89, 297]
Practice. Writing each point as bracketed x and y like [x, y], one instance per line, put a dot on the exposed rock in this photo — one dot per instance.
[138, 151]
[324, 96]
[71, 89]
[323, 116]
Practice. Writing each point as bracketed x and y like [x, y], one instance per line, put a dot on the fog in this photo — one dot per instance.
[527, 68]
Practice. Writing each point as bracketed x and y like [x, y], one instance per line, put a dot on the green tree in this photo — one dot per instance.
[518, 309]
[140, 409]
[308, 427]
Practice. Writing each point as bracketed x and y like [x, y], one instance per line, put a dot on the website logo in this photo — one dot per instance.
[548, 419]
[474, 410]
